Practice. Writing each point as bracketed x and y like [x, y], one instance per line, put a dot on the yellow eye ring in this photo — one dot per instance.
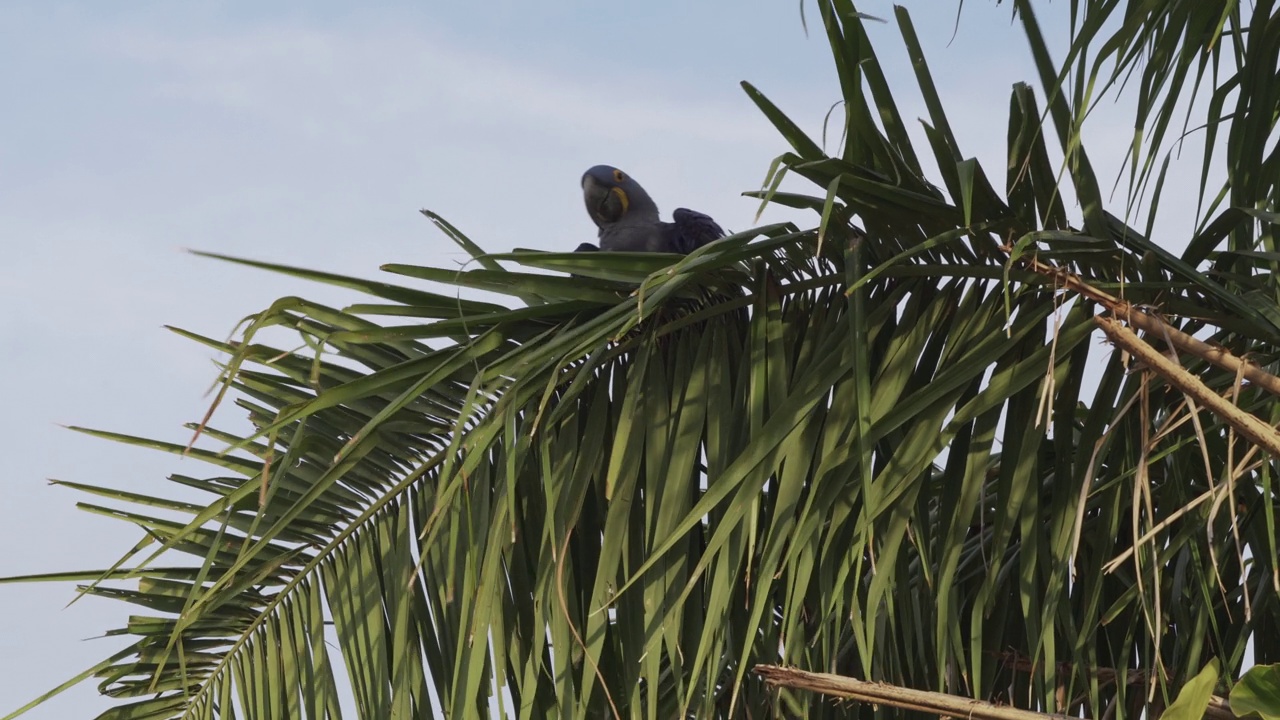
[618, 176]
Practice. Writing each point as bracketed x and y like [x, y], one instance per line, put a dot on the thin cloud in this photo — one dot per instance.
[394, 73]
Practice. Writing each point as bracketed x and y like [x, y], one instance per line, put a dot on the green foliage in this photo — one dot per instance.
[1193, 699]
[1258, 692]
[870, 448]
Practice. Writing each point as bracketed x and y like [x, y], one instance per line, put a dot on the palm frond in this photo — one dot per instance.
[876, 447]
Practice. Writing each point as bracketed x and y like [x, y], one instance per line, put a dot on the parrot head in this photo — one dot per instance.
[611, 195]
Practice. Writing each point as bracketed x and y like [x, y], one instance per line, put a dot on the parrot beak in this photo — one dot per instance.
[605, 204]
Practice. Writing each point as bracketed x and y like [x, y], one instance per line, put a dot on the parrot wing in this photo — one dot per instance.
[689, 230]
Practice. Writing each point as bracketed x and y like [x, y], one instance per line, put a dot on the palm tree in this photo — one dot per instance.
[870, 448]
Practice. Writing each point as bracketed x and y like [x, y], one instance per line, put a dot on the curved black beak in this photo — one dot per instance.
[605, 204]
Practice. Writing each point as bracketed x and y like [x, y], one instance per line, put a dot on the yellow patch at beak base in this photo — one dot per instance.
[622, 198]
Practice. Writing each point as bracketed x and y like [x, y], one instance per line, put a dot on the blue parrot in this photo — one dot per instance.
[628, 218]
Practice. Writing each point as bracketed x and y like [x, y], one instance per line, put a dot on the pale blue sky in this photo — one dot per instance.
[311, 133]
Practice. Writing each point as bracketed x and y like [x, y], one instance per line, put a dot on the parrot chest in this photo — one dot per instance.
[632, 238]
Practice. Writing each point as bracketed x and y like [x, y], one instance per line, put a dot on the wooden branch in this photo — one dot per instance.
[894, 696]
[935, 703]
[1247, 425]
[1155, 326]
[1203, 350]
[1018, 662]
[1219, 708]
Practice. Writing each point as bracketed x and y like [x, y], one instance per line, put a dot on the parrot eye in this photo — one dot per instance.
[619, 176]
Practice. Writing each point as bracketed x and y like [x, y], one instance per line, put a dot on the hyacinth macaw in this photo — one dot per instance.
[628, 218]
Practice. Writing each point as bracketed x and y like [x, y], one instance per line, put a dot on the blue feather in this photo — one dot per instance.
[689, 231]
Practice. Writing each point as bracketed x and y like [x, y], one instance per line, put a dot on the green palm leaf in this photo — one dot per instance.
[874, 448]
